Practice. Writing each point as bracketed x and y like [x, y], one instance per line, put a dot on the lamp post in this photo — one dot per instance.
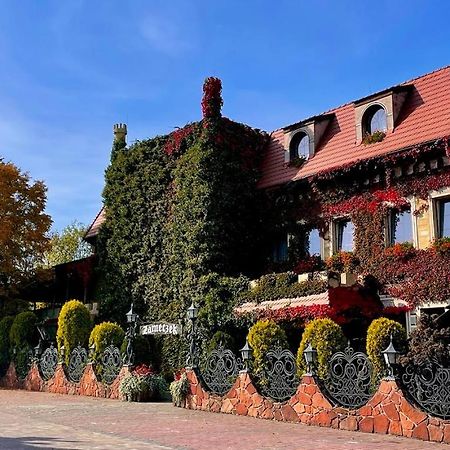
[390, 358]
[192, 314]
[246, 353]
[310, 355]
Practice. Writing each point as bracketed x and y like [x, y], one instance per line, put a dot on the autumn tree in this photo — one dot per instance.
[67, 245]
[23, 229]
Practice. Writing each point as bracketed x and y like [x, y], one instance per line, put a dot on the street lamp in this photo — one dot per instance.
[192, 312]
[390, 357]
[310, 355]
[246, 353]
[132, 317]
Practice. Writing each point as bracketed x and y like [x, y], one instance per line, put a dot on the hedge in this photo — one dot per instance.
[378, 338]
[263, 336]
[326, 337]
[5, 354]
[74, 327]
[104, 334]
[23, 330]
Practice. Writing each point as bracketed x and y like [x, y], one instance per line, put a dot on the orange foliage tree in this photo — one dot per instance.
[23, 229]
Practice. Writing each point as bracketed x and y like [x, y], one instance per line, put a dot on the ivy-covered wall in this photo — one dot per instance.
[183, 222]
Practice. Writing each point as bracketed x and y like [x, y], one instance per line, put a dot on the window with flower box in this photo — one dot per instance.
[399, 227]
[442, 214]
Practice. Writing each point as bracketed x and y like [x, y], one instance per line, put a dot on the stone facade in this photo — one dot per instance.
[89, 385]
[387, 412]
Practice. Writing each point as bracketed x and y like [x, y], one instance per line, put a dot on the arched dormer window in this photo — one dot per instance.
[375, 120]
[299, 147]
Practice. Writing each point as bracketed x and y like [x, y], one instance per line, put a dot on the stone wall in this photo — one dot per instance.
[59, 384]
[388, 412]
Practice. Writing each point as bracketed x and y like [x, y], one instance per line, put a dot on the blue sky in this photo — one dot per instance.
[70, 69]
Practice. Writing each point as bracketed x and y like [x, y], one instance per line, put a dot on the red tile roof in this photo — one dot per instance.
[92, 231]
[425, 116]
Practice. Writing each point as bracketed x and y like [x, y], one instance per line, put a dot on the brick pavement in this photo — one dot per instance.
[39, 420]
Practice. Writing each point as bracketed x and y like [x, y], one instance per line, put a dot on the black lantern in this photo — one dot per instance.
[246, 353]
[390, 357]
[310, 355]
[192, 312]
[132, 317]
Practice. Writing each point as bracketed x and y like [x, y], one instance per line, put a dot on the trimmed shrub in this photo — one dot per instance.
[23, 332]
[74, 327]
[378, 338]
[5, 354]
[263, 336]
[104, 334]
[221, 338]
[326, 337]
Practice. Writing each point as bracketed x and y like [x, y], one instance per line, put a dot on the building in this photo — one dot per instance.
[392, 145]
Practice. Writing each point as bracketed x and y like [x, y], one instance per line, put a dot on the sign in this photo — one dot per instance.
[161, 328]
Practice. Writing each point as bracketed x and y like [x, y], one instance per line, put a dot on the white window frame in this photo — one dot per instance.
[433, 200]
[388, 226]
[334, 233]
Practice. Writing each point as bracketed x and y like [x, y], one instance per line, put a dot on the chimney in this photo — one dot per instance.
[120, 132]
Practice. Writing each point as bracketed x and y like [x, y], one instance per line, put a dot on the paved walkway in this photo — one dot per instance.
[30, 420]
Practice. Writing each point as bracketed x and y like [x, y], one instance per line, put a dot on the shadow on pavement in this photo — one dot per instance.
[28, 442]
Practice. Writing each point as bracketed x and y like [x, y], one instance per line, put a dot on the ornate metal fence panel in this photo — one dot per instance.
[111, 364]
[348, 381]
[279, 380]
[48, 362]
[429, 387]
[220, 370]
[77, 362]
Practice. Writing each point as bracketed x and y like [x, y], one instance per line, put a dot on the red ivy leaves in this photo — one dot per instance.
[177, 138]
[212, 98]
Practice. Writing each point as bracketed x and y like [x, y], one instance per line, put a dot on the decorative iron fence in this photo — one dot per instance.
[111, 364]
[279, 380]
[48, 362]
[429, 387]
[219, 370]
[348, 381]
[77, 363]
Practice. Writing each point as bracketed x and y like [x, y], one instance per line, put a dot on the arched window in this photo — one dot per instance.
[375, 119]
[300, 146]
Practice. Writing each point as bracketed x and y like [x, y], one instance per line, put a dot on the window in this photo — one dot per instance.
[375, 119]
[400, 227]
[300, 146]
[344, 230]
[443, 218]
[314, 242]
[280, 250]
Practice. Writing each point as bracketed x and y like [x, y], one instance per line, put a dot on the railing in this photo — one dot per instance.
[220, 370]
[279, 380]
[348, 381]
[48, 362]
[428, 386]
[77, 362]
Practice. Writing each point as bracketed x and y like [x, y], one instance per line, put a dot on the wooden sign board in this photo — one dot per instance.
[160, 328]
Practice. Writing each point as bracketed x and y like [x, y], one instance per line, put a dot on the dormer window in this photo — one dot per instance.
[300, 146]
[375, 120]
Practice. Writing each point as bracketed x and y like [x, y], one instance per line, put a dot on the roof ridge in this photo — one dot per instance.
[328, 111]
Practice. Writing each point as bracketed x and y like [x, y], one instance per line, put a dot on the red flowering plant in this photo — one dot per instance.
[143, 370]
[342, 262]
[400, 252]
[309, 264]
[178, 374]
[442, 246]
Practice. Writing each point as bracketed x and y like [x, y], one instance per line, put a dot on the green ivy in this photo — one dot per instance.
[5, 347]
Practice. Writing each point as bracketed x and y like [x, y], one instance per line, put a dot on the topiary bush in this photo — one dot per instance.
[5, 347]
[326, 337]
[23, 332]
[221, 338]
[378, 338]
[74, 327]
[104, 334]
[263, 336]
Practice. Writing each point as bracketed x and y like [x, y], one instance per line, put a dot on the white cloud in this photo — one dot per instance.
[169, 36]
